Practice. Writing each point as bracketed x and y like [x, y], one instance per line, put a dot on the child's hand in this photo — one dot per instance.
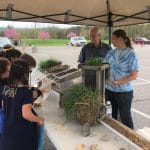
[34, 94]
[41, 121]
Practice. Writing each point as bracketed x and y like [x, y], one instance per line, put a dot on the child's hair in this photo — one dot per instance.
[30, 60]
[2, 53]
[4, 63]
[19, 72]
[12, 53]
[8, 47]
[9, 52]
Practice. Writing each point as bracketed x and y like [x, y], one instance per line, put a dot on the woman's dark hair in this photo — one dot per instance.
[4, 63]
[123, 35]
[19, 72]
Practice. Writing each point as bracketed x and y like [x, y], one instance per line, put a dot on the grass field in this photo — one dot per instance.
[46, 42]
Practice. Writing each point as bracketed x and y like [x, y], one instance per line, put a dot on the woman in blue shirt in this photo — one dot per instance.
[123, 69]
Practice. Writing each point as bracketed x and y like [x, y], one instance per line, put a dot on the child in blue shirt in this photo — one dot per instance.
[18, 132]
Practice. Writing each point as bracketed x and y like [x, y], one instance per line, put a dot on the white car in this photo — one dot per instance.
[4, 41]
[78, 41]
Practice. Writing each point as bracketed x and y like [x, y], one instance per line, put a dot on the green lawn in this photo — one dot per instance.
[49, 42]
[46, 42]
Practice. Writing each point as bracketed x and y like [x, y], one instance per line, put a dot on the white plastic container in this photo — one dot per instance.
[108, 109]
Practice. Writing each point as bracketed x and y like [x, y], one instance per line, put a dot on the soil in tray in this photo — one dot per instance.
[65, 72]
[57, 70]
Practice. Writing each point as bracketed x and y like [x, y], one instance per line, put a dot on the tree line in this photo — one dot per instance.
[142, 30]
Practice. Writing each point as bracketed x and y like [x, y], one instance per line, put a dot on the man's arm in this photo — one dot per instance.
[82, 56]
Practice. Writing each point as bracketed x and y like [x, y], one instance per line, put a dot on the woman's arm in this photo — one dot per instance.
[28, 115]
[133, 75]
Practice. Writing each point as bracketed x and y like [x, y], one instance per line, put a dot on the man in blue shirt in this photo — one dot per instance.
[96, 48]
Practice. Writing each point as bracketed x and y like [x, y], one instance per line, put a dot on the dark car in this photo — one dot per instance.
[141, 40]
[14, 42]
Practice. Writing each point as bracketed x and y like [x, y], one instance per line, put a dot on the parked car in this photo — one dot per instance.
[141, 40]
[4, 41]
[78, 41]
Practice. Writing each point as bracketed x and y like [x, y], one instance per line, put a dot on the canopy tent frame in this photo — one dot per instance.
[110, 21]
[123, 17]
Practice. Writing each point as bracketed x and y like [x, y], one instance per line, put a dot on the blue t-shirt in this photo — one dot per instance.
[122, 63]
[17, 133]
[13, 101]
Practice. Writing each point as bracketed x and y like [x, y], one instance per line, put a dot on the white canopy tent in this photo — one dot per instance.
[80, 12]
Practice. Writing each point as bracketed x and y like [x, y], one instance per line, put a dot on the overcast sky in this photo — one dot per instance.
[31, 24]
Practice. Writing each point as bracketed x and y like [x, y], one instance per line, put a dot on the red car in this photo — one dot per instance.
[141, 40]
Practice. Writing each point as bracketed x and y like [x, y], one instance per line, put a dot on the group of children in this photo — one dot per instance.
[18, 121]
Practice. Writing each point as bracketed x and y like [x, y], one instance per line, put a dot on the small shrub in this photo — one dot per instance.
[94, 61]
[82, 104]
[47, 64]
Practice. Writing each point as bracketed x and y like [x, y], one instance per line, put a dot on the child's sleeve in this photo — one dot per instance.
[27, 98]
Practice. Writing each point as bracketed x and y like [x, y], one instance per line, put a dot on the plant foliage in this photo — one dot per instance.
[94, 61]
[47, 64]
[81, 102]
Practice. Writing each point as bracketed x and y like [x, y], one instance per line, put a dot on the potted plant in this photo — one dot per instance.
[83, 105]
[94, 74]
[94, 61]
[49, 65]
